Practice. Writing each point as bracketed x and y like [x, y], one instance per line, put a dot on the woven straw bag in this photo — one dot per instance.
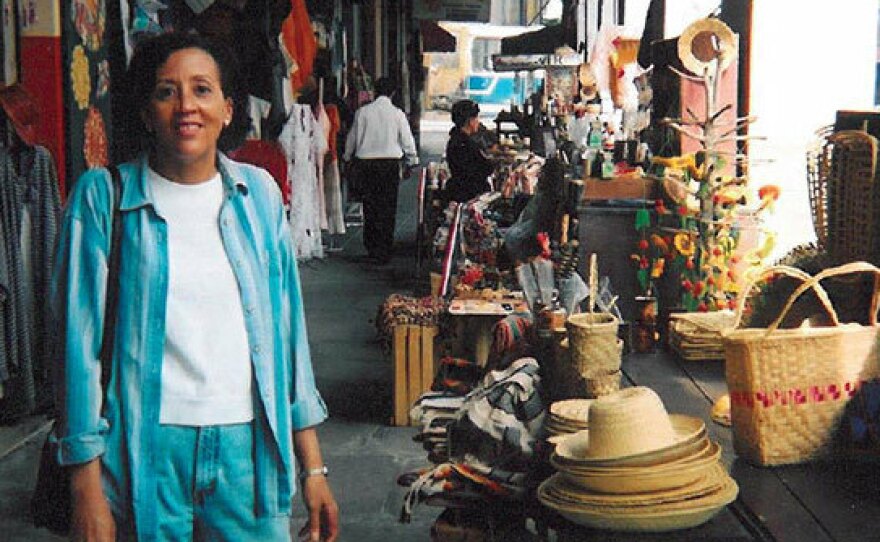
[789, 387]
[593, 343]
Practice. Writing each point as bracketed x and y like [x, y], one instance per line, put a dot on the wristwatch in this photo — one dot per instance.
[317, 471]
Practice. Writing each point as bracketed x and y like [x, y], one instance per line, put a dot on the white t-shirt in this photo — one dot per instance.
[206, 366]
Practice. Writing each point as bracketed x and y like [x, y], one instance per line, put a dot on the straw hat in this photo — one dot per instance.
[643, 479]
[568, 416]
[666, 516]
[704, 41]
[562, 490]
[629, 423]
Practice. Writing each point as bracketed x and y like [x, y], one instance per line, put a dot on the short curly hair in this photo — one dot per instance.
[140, 80]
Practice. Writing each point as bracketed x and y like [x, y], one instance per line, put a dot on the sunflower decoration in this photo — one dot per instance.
[684, 244]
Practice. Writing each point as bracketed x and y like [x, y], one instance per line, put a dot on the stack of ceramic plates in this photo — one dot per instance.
[638, 469]
[569, 416]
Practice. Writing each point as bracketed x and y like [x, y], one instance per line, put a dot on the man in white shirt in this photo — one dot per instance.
[379, 138]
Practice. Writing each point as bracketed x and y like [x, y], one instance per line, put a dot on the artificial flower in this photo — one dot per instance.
[657, 269]
[684, 244]
[768, 194]
[544, 243]
[659, 243]
[79, 77]
[471, 275]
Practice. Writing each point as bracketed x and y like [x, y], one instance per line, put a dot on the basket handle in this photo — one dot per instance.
[793, 272]
[846, 269]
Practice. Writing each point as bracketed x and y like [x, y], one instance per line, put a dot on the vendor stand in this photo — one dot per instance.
[626, 219]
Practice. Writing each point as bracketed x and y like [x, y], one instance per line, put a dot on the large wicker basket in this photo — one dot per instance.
[789, 387]
[853, 198]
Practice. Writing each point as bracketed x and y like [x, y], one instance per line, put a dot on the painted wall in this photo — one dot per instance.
[40, 73]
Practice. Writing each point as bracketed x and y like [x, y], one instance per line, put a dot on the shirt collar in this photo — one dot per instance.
[137, 193]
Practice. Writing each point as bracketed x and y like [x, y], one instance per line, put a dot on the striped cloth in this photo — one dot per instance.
[491, 441]
[26, 255]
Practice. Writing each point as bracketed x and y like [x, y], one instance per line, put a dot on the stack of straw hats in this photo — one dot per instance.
[638, 468]
[595, 351]
[566, 417]
[698, 336]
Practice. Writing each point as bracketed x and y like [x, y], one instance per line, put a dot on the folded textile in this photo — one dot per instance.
[491, 438]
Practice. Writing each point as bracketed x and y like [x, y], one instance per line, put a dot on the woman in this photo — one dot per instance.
[469, 167]
[212, 390]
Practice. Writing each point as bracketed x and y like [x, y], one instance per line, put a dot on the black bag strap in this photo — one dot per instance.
[111, 302]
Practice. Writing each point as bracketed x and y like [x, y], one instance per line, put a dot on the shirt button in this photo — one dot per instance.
[226, 222]
[249, 310]
[257, 349]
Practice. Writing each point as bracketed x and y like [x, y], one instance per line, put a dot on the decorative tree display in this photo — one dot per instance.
[699, 239]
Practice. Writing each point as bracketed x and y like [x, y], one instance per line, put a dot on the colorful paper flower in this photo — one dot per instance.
[89, 18]
[659, 243]
[95, 140]
[79, 77]
[657, 269]
[768, 194]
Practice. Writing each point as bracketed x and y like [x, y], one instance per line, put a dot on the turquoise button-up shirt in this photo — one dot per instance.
[257, 240]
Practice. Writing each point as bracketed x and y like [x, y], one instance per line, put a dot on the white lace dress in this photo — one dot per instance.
[300, 144]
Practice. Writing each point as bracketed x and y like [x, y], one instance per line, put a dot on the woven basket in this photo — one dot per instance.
[601, 383]
[789, 387]
[818, 169]
[593, 341]
[853, 198]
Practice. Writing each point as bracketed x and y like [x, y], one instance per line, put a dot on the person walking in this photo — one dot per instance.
[379, 139]
[212, 394]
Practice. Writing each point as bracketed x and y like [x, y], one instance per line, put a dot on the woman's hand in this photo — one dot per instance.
[91, 519]
[323, 523]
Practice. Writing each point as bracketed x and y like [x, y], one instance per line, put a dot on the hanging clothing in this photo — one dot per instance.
[332, 181]
[322, 145]
[299, 143]
[268, 155]
[299, 41]
[30, 208]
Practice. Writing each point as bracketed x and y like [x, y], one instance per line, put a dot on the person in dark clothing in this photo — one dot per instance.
[468, 165]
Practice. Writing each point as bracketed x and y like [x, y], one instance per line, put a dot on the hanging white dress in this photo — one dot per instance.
[322, 146]
[299, 143]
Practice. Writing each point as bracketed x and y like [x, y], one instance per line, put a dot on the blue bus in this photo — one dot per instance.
[468, 72]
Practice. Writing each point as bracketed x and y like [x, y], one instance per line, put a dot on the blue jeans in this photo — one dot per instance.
[206, 486]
